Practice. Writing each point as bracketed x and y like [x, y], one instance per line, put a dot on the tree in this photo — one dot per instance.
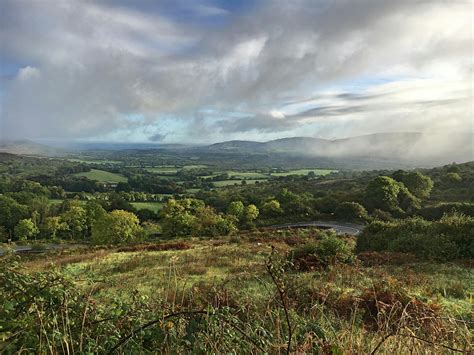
[418, 184]
[251, 213]
[76, 221]
[386, 194]
[117, 227]
[3, 235]
[52, 225]
[177, 217]
[26, 229]
[351, 211]
[145, 214]
[382, 192]
[452, 178]
[208, 223]
[191, 217]
[236, 209]
[271, 208]
[11, 212]
[117, 202]
[407, 201]
[94, 211]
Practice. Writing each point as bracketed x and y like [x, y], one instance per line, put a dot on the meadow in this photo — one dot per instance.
[102, 176]
[378, 303]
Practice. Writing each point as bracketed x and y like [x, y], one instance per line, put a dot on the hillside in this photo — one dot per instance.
[409, 147]
[26, 147]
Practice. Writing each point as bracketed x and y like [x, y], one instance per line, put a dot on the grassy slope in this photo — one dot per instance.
[232, 271]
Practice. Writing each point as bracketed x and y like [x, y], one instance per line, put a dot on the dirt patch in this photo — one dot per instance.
[155, 247]
[374, 258]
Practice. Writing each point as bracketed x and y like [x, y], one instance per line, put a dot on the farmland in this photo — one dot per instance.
[102, 176]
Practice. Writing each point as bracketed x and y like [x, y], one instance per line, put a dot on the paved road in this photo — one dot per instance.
[339, 227]
[32, 249]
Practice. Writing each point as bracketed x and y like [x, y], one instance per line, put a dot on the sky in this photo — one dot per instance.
[203, 71]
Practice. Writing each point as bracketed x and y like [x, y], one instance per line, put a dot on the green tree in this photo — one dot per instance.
[271, 208]
[117, 227]
[251, 213]
[76, 221]
[94, 211]
[452, 178]
[208, 223]
[178, 217]
[53, 225]
[3, 235]
[11, 212]
[382, 192]
[236, 208]
[26, 229]
[418, 184]
[351, 211]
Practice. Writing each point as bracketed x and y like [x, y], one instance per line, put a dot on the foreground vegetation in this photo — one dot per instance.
[263, 291]
[179, 257]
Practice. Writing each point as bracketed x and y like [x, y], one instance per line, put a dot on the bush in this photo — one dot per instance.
[328, 251]
[439, 210]
[449, 238]
[351, 211]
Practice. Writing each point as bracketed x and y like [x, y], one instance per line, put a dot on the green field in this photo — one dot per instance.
[163, 170]
[318, 172]
[233, 182]
[154, 206]
[195, 166]
[95, 161]
[103, 176]
[246, 174]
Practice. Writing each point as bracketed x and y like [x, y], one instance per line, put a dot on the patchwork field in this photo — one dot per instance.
[233, 182]
[318, 172]
[103, 176]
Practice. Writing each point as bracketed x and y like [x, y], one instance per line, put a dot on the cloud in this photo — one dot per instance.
[158, 137]
[289, 67]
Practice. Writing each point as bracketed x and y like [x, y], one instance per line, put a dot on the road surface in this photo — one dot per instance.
[339, 227]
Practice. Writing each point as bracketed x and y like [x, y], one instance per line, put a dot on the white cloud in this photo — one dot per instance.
[27, 73]
[87, 66]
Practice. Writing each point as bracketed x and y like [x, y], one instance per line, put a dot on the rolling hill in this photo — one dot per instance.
[419, 148]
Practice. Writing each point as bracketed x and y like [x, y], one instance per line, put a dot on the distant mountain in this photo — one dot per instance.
[26, 147]
[379, 150]
[424, 149]
[236, 145]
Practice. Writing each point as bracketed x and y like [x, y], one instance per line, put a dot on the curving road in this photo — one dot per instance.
[340, 227]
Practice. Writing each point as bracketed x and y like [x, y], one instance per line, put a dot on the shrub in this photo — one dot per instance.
[439, 210]
[351, 211]
[329, 250]
[449, 238]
